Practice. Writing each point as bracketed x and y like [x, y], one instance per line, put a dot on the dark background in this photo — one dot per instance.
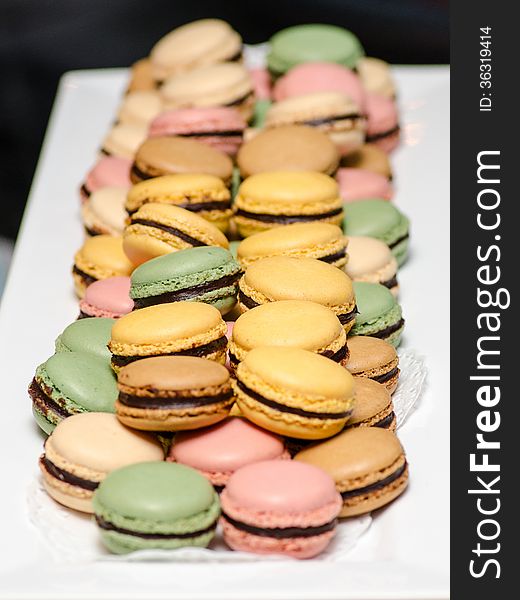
[41, 39]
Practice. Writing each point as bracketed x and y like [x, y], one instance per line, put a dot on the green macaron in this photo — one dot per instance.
[90, 335]
[379, 219]
[262, 105]
[69, 383]
[207, 274]
[316, 42]
[379, 314]
[155, 505]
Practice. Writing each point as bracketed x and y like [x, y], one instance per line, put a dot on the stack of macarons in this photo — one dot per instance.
[232, 366]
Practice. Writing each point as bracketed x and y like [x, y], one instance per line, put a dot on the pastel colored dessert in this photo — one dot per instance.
[373, 358]
[261, 80]
[319, 240]
[139, 107]
[271, 199]
[287, 278]
[294, 392]
[382, 122]
[207, 274]
[88, 335]
[168, 155]
[177, 328]
[372, 260]
[124, 139]
[314, 42]
[109, 171]
[84, 449]
[171, 393]
[69, 383]
[141, 77]
[220, 450]
[221, 127]
[374, 406]
[288, 148]
[280, 507]
[261, 109]
[108, 298]
[100, 257]
[376, 76]
[155, 505]
[225, 84]
[316, 76]
[381, 220]
[292, 323]
[368, 465]
[157, 229]
[333, 113]
[104, 212]
[205, 195]
[199, 43]
[379, 314]
[370, 158]
[360, 184]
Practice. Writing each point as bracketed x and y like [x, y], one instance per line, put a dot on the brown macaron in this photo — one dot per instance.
[375, 359]
[373, 407]
[371, 158]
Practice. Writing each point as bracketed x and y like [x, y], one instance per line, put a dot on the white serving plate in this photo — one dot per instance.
[405, 553]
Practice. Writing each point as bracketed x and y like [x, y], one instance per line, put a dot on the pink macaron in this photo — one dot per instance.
[382, 122]
[109, 171]
[312, 77]
[107, 298]
[218, 451]
[278, 507]
[221, 127]
[361, 184]
[261, 79]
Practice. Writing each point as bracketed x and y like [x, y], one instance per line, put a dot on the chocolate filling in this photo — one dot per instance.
[135, 170]
[44, 402]
[214, 346]
[375, 486]
[386, 376]
[331, 258]
[153, 536]
[91, 232]
[171, 230]
[87, 279]
[188, 293]
[347, 317]
[83, 315]
[383, 333]
[281, 533]
[105, 152]
[236, 57]
[193, 207]
[174, 402]
[338, 356]
[398, 241]
[379, 136]
[327, 120]
[390, 283]
[85, 190]
[229, 133]
[240, 100]
[266, 218]
[386, 422]
[67, 477]
[290, 409]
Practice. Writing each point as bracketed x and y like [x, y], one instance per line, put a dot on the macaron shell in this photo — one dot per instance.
[373, 404]
[373, 300]
[376, 76]
[140, 107]
[124, 139]
[141, 77]
[89, 335]
[371, 158]
[104, 212]
[109, 171]
[358, 184]
[382, 122]
[110, 295]
[369, 353]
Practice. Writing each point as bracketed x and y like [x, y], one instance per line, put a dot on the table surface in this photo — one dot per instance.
[405, 554]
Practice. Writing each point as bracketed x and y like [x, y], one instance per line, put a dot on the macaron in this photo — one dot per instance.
[280, 507]
[261, 79]
[288, 148]
[199, 43]
[379, 314]
[177, 328]
[312, 42]
[373, 358]
[124, 139]
[333, 113]
[294, 392]
[109, 171]
[262, 107]
[104, 212]
[100, 257]
[170, 393]
[291, 323]
[319, 240]
[376, 76]
[372, 260]
[69, 383]
[374, 406]
[317, 76]
[288, 278]
[155, 505]
[205, 195]
[108, 298]
[84, 449]
[382, 122]
[220, 450]
[360, 184]
[381, 220]
[141, 76]
[88, 335]
[207, 274]
[221, 127]
[370, 158]
[226, 84]
[368, 465]
[271, 199]
[139, 107]
[168, 155]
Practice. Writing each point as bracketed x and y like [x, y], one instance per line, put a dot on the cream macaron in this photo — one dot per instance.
[104, 212]
[372, 260]
[124, 139]
[140, 107]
